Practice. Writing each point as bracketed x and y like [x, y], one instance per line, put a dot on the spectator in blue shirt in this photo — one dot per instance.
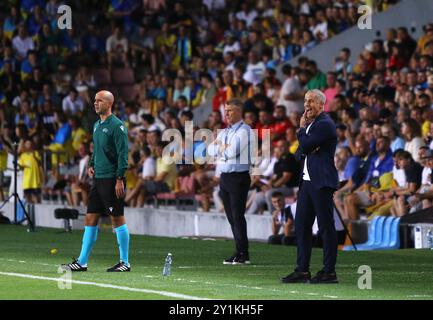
[93, 45]
[27, 6]
[121, 10]
[35, 21]
[381, 162]
[396, 141]
[356, 171]
[359, 158]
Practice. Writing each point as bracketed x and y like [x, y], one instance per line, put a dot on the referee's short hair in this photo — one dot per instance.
[236, 102]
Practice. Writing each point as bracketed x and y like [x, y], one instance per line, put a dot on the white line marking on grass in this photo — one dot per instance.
[35, 263]
[206, 282]
[240, 286]
[106, 285]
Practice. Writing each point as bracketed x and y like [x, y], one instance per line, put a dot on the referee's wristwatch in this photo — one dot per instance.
[119, 178]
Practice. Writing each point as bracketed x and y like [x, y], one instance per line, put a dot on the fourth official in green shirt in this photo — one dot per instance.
[107, 166]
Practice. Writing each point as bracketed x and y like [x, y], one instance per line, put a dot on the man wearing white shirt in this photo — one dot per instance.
[117, 48]
[320, 30]
[291, 94]
[246, 14]
[231, 44]
[72, 103]
[255, 66]
[232, 148]
[22, 43]
[148, 172]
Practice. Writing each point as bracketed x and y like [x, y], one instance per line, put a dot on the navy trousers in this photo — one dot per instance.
[314, 202]
[234, 192]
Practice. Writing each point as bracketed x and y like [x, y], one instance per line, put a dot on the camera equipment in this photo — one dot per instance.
[15, 195]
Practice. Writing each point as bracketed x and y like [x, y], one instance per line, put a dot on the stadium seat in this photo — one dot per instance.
[394, 242]
[371, 236]
[386, 237]
[128, 92]
[378, 233]
[102, 76]
[383, 234]
[122, 76]
[184, 195]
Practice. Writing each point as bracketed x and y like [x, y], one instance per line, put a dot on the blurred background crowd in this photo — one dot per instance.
[164, 59]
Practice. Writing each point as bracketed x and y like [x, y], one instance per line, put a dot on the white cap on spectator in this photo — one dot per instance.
[369, 46]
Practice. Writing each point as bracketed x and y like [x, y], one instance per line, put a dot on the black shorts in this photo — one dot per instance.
[154, 187]
[103, 199]
[30, 192]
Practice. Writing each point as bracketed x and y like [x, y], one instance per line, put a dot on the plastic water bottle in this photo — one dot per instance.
[430, 239]
[167, 265]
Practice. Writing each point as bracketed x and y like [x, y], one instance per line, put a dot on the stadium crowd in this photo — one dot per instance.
[163, 59]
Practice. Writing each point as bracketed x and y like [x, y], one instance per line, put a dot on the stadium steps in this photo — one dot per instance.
[405, 13]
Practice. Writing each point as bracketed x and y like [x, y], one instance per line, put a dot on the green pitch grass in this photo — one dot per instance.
[197, 270]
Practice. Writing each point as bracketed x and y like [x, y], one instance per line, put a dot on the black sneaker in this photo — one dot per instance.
[242, 258]
[74, 266]
[324, 277]
[120, 267]
[297, 277]
[230, 260]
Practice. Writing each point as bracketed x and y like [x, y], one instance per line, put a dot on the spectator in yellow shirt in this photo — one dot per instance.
[30, 162]
[425, 38]
[292, 139]
[78, 135]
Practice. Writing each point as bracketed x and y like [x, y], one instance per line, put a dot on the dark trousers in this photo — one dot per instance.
[281, 239]
[314, 202]
[234, 191]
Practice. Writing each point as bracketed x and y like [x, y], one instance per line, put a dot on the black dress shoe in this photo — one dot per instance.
[238, 258]
[230, 260]
[297, 277]
[324, 277]
[242, 258]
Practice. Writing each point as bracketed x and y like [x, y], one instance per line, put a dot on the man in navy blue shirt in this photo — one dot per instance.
[317, 143]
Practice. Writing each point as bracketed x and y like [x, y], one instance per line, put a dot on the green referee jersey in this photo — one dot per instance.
[110, 148]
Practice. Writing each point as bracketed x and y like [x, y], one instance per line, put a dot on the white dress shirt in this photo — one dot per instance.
[306, 175]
